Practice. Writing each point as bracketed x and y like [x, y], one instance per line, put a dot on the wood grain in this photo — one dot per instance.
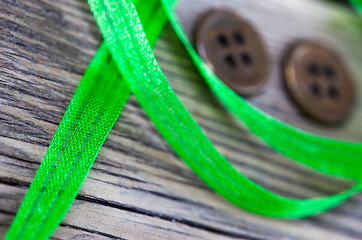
[138, 188]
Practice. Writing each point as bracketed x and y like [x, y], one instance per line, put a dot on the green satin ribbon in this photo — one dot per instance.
[125, 63]
[357, 4]
[90, 116]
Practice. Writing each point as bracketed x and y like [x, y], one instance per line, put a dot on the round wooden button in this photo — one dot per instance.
[233, 50]
[319, 82]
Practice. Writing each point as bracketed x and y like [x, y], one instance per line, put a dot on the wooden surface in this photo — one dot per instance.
[138, 188]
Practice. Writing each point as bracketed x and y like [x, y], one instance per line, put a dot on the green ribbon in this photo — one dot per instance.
[90, 116]
[125, 63]
[357, 4]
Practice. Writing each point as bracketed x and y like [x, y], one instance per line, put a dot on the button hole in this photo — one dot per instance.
[313, 69]
[315, 90]
[230, 61]
[221, 39]
[238, 38]
[333, 92]
[246, 59]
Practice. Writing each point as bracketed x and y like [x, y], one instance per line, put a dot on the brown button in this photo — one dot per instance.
[319, 82]
[233, 50]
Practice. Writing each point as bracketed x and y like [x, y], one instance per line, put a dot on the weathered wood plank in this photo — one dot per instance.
[138, 188]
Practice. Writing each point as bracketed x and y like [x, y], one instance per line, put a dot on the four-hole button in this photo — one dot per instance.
[319, 82]
[233, 50]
